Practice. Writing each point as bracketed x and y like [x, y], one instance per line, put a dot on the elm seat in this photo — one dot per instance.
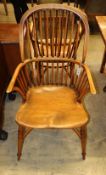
[63, 111]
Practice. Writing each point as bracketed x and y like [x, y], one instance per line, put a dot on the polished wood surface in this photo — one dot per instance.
[62, 112]
[101, 20]
[9, 43]
[9, 33]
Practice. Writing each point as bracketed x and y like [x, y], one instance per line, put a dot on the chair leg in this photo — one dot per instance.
[103, 62]
[83, 133]
[5, 6]
[20, 141]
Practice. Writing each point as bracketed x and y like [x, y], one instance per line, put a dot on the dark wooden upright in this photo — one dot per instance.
[9, 58]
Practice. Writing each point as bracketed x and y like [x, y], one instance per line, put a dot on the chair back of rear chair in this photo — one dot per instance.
[53, 30]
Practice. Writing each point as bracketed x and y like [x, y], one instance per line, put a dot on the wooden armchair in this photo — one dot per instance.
[51, 82]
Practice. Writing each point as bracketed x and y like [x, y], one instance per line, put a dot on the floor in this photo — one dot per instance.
[57, 152]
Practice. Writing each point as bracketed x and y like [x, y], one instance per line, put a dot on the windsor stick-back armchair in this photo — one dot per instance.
[50, 80]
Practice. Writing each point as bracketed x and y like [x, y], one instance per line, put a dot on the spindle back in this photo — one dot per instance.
[53, 30]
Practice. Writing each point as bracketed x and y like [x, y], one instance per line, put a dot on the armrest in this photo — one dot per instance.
[84, 83]
[19, 81]
[14, 78]
[90, 80]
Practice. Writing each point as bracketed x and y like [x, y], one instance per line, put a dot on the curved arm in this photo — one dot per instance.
[19, 81]
[14, 78]
[15, 75]
[90, 80]
[84, 83]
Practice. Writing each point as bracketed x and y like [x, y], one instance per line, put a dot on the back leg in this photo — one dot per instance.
[83, 133]
[20, 140]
